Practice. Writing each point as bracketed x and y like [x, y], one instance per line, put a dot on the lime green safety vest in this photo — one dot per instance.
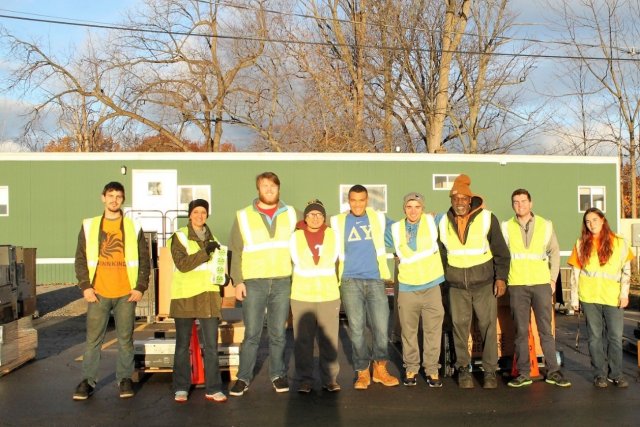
[207, 277]
[313, 282]
[263, 256]
[601, 284]
[423, 265]
[377, 224]
[91, 227]
[529, 266]
[476, 250]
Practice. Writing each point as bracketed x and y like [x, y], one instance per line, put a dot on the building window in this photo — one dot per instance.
[444, 182]
[377, 197]
[591, 197]
[4, 201]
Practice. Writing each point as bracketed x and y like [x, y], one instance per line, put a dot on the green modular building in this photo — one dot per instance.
[45, 196]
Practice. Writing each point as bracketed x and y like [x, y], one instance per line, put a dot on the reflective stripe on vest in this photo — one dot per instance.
[601, 284]
[423, 265]
[377, 223]
[263, 256]
[204, 278]
[131, 229]
[313, 282]
[529, 266]
[476, 250]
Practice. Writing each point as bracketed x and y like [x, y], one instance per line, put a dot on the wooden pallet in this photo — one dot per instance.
[138, 373]
[16, 363]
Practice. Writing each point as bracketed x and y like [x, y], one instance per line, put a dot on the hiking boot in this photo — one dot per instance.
[381, 375]
[83, 391]
[434, 381]
[332, 387]
[600, 382]
[490, 380]
[410, 378]
[126, 388]
[520, 381]
[363, 381]
[619, 382]
[465, 379]
[239, 388]
[281, 385]
[558, 379]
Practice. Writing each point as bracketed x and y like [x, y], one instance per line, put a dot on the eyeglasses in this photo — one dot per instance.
[315, 214]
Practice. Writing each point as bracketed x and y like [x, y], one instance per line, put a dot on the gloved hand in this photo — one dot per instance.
[211, 246]
[499, 288]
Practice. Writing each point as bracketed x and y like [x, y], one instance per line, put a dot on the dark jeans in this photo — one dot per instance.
[272, 295]
[464, 303]
[98, 314]
[540, 299]
[365, 300]
[182, 360]
[609, 320]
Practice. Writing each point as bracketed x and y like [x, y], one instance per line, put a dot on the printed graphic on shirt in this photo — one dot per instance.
[359, 232]
[112, 248]
[111, 276]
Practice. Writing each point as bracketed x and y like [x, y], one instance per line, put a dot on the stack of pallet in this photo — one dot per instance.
[18, 344]
[230, 335]
[18, 338]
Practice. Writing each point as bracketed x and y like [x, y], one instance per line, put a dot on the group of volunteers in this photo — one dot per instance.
[283, 261]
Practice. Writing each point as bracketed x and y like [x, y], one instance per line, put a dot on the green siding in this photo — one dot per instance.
[49, 198]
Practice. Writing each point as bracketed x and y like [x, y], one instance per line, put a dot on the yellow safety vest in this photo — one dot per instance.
[377, 223]
[91, 227]
[423, 265]
[476, 250]
[263, 256]
[601, 284]
[204, 278]
[529, 266]
[314, 282]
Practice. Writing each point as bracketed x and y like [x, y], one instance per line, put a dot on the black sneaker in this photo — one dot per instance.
[305, 388]
[619, 382]
[126, 388]
[83, 391]
[332, 387]
[281, 385]
[558, 379]
[239, 388]
[434, 381]
[410, 378]
[522, 380]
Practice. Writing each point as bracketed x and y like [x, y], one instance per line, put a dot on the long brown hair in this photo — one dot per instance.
[605, 241]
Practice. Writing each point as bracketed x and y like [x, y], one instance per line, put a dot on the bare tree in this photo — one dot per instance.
[610, 26]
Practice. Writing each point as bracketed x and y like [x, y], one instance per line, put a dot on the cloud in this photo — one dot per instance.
[11, 147]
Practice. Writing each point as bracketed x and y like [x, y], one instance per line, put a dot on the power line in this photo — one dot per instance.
[301, 42]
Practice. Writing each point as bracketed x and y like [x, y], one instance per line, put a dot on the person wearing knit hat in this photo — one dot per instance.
[201, 267]
[315, 298]
[476, 269]
[420, 274]
[198, 202]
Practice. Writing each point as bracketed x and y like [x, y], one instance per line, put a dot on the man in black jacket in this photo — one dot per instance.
[476, 260]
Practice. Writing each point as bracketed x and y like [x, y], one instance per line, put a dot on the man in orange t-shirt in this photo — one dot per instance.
[112, 266]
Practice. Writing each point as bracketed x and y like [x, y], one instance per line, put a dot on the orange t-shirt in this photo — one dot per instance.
[111, 279]
[574, 261]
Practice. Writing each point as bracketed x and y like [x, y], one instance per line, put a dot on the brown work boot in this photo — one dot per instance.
[364, 379]
[381, 375]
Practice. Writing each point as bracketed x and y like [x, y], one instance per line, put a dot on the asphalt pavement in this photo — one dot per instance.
[40, 392]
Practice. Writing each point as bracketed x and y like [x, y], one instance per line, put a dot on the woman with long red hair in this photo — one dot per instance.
[601, 262]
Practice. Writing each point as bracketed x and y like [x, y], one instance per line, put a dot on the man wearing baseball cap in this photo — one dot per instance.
[476, 269]
[420, 274]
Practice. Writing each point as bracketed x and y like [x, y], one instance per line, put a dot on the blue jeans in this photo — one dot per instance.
[605, 319]
[98, 314]
[182, 361]
[272, 295]
[365, 300]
